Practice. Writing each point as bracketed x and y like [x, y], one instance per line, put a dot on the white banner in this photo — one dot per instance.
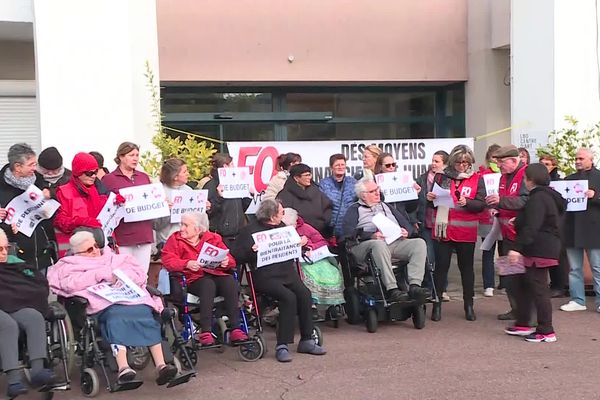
[28, 209]
[145, 202]
[110, 215]
[277, 245]
[320, 253]
[573, 192]
[187, 201]
[396, 186]
[413, 156]
[235, 182]
[492, 183]
[211, 256]
[122, 291]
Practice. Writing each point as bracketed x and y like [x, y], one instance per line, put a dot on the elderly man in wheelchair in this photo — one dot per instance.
[23, 307]
[364, 237]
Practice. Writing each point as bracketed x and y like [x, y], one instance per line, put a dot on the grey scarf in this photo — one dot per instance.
[19, 183]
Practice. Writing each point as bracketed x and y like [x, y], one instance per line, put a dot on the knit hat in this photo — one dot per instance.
[299, 169]
[50, 159]
[83, 162]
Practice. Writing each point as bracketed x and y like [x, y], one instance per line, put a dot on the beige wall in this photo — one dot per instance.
[17, 61]
[331, 41]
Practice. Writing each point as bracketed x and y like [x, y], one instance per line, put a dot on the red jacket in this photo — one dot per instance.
[315, 239]
[178, 251]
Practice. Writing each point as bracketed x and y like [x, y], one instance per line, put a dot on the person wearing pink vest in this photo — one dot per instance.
[455, 227]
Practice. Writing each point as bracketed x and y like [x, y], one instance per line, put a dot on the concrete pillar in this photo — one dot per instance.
[90, 65]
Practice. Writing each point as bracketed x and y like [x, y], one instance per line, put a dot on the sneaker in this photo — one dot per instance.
[397, 295]
[507, 316]
[519, 330]
[44, 377]
[206, 339]
[418, 293]
[237, 335]
[282, 353]
[541, 337]
[573, 306]
[488, 292]
[15, 389]
[598, 309]
[310, 347]
[445, 297]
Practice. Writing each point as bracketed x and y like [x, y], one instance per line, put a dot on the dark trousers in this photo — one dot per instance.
[559, 275]
[283, 284]
[210, 286]
[464, 254]
[488, 272]
[531, 289]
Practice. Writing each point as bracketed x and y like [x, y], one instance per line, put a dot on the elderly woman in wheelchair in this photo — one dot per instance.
[23, 306]
[128, 321]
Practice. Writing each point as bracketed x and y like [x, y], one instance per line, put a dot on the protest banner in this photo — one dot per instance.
[396, 186]
[574, 192]
[277, 245]
[110, 215]
[145, 202]
[28, 209]
[235, 182]
[492, 183]
[124, 290]
[211, 256]
[187, 201]
[320, 253]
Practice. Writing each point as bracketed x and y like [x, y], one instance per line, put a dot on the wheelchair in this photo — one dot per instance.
[366, 298]
[95, 352]
[250, 350]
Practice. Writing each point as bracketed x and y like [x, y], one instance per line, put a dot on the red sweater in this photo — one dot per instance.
[178, 251]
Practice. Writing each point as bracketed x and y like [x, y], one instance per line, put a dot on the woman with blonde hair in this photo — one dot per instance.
[369, 157]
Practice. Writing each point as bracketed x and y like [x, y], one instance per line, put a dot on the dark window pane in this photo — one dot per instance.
[332, 131]
[178, 102]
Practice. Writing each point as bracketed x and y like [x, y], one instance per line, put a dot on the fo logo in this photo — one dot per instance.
[261, 237]
[466, 191]
[33, 196]
[211, 251]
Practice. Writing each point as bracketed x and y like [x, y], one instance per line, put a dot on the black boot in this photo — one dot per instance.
[470, 312]
[436, 312]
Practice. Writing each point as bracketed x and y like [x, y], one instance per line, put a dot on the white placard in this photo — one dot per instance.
[211, 256]
[396, 186]
[491, 238]
[122, 291]
[390, 230]
[492, 183]
[145, 202]
[187, 201]
[235, 182]
[573, 192]
[277, 245]
[443, 197]
[320, 253]
[110, 215]
[28, 209]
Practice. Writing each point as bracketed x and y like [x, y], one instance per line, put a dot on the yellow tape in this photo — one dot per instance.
[487, 135]
[194, 134]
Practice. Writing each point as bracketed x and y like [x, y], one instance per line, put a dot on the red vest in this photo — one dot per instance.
[462, 224]
[504, 216]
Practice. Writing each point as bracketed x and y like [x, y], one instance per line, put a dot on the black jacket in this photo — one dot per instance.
[538, 225]
[582, 228]
[53, 186]
[312, 205]
[354, 235]
[22, 286]
[36, 250]
[226, 216]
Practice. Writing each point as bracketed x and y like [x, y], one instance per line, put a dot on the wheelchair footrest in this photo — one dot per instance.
[183, 378]
[55, 387]
[122, 386]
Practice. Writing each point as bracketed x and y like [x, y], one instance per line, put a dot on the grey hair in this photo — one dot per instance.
[3, 235]
[290, 217]
[80, 238]
[459, 153]
[200, 219]
[588, 151]
[19, 153]
[268, 209]
[360, 186]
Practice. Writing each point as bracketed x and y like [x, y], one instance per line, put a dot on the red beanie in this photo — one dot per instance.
[83, 162]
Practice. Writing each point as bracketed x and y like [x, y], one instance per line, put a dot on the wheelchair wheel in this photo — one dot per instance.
[64, 328]
[371, 321]
[193, 357]
[317, 336]
[138, 357]
[253, 350]
[419, 315]
[352, 306]
[90, 384]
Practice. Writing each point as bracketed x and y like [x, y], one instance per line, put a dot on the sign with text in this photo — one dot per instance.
[110, 215]
[277, 245]
[145, 202]
[187, 201]
[574, 192]
[124, 290]
[211, 256]
[28, 209]
[396, 186]
[492, 183]
[235, 182]
[320, 253]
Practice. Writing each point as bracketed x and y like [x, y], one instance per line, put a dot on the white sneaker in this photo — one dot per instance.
[445, 297]
[573, 306]
[598, 309]
[488, 292]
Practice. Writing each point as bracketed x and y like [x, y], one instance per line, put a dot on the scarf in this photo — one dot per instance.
[19, 183]
[441, 218]
[49, 177]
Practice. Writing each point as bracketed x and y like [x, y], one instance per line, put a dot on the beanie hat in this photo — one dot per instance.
[50, 159]
[299, 169]
[83, 162]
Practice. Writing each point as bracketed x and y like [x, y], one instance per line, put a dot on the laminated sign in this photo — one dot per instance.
[187, 201]
[396, 186]
[574, 192]
[110, 215]
[211, 256]
[235, 182]
[28, 209]
[277, 245]
[124, 290]
[492, 183]
[145, 202]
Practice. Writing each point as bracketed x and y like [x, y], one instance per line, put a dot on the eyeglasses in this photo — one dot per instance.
[463, 162]
[89, 250]
[376, 190]
[90, 173]
[392, 165]
[6, 248]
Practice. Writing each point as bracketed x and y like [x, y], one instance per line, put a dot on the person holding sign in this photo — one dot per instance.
[189, 251]
[456, 227]
[127, 322]
[15, 178]
[134, 238]
[280, 281]
[387, 164]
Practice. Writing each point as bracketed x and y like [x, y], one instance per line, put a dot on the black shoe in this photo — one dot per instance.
[165, 374]
[470, 313]
[418, 293]
[558, 293]
[397, 295]
[436, 312]
[507, 316]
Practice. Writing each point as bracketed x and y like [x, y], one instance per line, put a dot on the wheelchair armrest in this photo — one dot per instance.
[75, 300]
[154, 291]
[55, 312]
[167, 314]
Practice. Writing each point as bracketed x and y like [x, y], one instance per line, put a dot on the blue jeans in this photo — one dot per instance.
[576, 285]
[487, 267]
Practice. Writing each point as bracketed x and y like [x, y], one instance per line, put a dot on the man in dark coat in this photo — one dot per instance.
[581, 233]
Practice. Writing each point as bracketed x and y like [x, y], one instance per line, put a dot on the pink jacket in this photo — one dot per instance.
[72, 275]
